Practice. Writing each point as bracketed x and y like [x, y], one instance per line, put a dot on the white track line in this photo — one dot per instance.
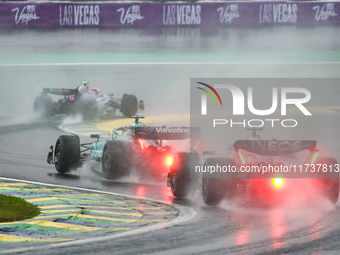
[185, 214]
[173, 63]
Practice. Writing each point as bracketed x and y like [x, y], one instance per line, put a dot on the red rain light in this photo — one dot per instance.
[278, 182]
[169, 160]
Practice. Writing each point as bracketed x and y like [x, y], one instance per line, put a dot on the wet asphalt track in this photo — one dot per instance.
[229, 228]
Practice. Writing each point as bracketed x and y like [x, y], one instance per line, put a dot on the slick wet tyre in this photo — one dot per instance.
[67, 153]
[215, 189]
[116, 159]
[180, 181]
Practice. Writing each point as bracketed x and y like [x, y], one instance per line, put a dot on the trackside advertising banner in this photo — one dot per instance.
[260, 128]
[57, 14]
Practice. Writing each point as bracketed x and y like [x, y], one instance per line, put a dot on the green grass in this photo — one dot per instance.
[14, 208]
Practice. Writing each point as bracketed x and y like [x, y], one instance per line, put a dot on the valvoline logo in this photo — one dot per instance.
[149, 129]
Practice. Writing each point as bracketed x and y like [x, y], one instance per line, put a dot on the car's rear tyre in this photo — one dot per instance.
[88, 107]
[180, 182]
[328, 187]
[129, 105]
[67, 153]
[116, 159]
[44, 106]
[215, 189]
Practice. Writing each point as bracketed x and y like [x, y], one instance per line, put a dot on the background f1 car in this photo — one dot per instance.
[134, 147]
[86, 101]
[268, 188]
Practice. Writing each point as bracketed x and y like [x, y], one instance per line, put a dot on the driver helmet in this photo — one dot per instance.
[83, 89]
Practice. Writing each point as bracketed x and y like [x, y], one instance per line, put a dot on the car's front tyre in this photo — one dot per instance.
[67, 153]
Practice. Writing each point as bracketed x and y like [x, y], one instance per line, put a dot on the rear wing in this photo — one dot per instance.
[61, 92]
[166, 133]
[275, 147]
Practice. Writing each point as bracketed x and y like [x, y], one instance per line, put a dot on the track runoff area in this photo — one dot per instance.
[71, 216]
